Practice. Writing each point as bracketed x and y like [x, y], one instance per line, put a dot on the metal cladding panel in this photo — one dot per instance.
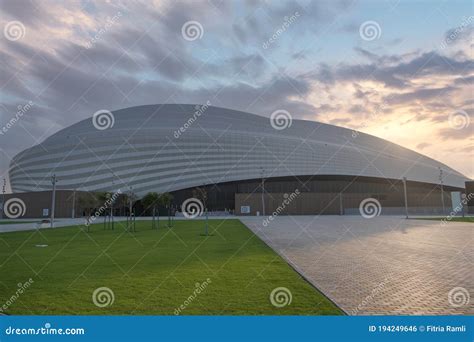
[165, 148]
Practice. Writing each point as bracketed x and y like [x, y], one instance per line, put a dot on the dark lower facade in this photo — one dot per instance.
[305, 195]
[469, 200]
[330, 195]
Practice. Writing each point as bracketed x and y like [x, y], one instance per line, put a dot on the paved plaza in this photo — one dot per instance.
[382, 265]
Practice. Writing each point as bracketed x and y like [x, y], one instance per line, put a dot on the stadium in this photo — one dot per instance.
[248, 164]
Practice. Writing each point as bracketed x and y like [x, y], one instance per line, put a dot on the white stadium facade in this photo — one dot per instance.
[176, 148]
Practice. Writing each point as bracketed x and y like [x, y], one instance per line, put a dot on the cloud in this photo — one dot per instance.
[143, 59]
[467, 149]
[460, 34]
[423, 145]
[31, 13]
[399, 75]
[418, 95]
[456, 134]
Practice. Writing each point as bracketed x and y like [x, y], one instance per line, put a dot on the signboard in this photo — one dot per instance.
[245, 209]
[456, 201]
[45, 212]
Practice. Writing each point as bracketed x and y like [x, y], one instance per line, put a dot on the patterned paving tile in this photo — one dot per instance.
[382, 265]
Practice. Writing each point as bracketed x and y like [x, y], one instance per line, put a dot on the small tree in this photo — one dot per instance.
[122, 203]
[87, 202]
[165, 200]
[102, 196]
[201, 194]
[151, 200]
[104, 199]
[132, 198]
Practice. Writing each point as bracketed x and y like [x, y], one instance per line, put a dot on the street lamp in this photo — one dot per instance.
[53, 201]
[405, 195]
[442, 188]
[73, 204]
[3, 195]
[131, 198]
[263, 191]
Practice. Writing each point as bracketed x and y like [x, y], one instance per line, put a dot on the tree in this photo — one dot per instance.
[165, 200]
[122, 203]
[102, 196]
[151, 200]
[131, 197]
[105, 199]
[87, 202]
[201, 194]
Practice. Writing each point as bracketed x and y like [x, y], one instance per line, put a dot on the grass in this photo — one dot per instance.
[15, 222]
[151, 272]
[452, 219]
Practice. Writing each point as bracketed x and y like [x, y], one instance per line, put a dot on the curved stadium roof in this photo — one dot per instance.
[145, 149]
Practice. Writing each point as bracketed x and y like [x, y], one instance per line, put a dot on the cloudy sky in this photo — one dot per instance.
[400, 70]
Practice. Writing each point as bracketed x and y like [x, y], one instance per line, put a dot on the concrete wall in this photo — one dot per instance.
[311, 203]
[306, 203]
[36, 202]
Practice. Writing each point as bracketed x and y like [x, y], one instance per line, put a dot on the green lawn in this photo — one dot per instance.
[453, 219]
[151, 271]
[15, 222]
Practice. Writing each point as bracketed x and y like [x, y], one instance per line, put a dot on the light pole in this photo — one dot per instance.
[405, 195]
[74, 204]
[53, 201]
[263, 192]
[131, 198]
[112, 202]
[341, 205]
[442, 188]
[3, 195]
